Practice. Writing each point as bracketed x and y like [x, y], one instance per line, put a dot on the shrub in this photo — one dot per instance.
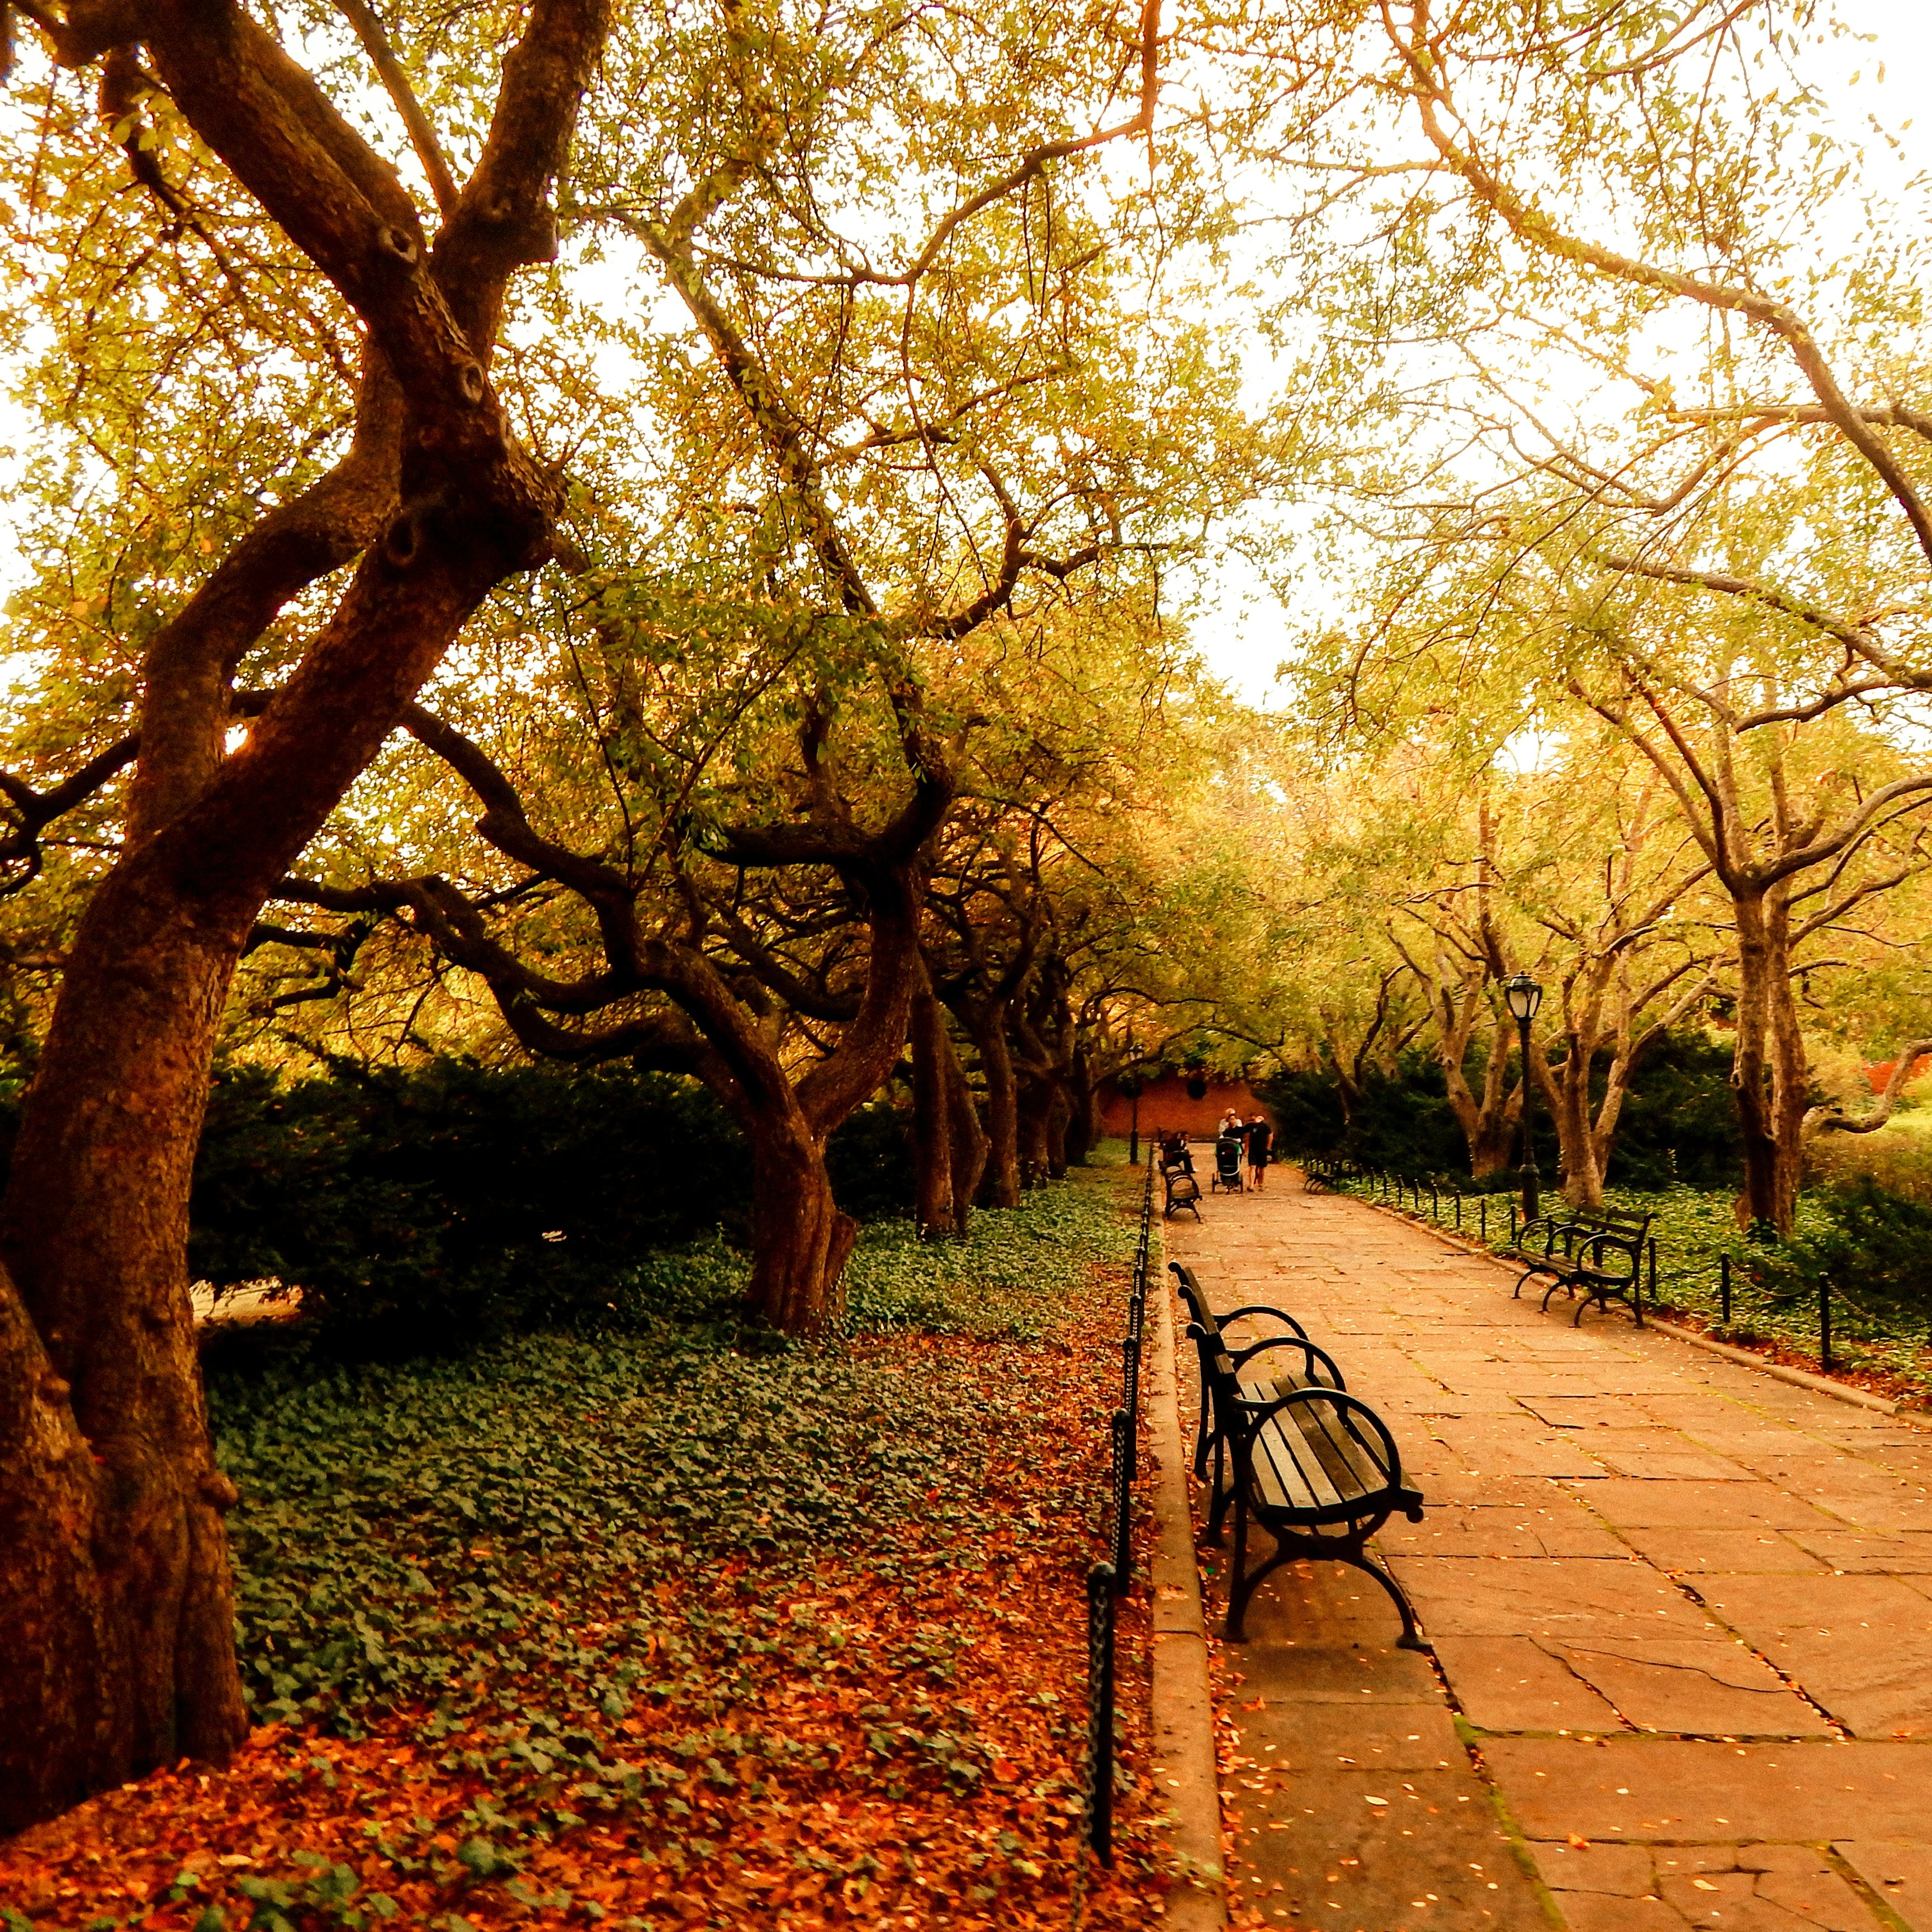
[423, 1207]
[1679, 1122]
[1866, 1241]
[1404, 1122]
[453, 1200]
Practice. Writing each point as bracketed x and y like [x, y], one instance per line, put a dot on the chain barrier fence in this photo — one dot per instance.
[1725, 1291]
[1108, 1581]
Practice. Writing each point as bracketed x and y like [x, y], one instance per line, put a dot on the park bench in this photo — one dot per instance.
[1177, 1176]
[1328, 1171]
[1204, 1331]
[1313, 1465]
[1598, 1250]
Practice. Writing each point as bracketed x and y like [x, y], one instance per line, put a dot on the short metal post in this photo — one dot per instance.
[1458, 1210]
[1512, 1224]
[1637, 1297]
[1724, 1287]
[1099, 1821]
[1825, 1326]
[1482, 1212]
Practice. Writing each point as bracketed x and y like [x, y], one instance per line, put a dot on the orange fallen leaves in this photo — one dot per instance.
[790, 1848]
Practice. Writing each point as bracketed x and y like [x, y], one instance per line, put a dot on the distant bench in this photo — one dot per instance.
[1313, 1465]
[1325, 1172]
[1177, 1176]
[1598, 1249]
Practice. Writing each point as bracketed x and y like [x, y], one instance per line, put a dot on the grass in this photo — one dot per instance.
[669, 1622]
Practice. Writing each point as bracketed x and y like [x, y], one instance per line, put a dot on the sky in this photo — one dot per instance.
[1239, 626]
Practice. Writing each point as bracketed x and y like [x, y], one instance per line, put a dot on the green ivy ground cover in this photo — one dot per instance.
[1775, 1290]
[596, 1562]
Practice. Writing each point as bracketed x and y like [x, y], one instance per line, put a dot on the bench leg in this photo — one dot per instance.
[1567, 1288]
[1411, 1638]
[1221, 1494]
[1200, 1440]
[1239, 1587]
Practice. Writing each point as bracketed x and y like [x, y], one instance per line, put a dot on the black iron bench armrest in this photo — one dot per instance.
[1630, 1246]
[1311, 1354]
[1279, 1314]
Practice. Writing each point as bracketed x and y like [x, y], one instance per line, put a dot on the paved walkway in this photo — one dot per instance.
[1680, 1615]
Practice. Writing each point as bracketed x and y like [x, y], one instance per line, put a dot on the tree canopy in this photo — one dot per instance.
[674, 535]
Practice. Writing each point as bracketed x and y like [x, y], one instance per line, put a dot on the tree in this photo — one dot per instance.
[1677, 407]
[115, 1590]
[1629, 961]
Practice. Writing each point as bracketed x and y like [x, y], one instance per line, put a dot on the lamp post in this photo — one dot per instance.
[1524, 996]
[1131, 1087]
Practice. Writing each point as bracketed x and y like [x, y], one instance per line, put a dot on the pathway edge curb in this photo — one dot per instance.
[1798, 1378]
[1801, 1378]
[1186, 1770]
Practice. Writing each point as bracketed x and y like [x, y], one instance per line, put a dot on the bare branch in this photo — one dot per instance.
[422, 135]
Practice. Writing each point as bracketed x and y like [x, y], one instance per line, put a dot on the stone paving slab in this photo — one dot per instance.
[1678, 1791]
[1786, 1887]
[1680, 1615]
[1862, 1646]
[1901, 1875]
[1743, 1553]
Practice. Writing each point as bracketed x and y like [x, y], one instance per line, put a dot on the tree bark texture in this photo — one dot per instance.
[1083, 1117]
[1768, 1073]
[966, 1139]
[932, 1116]
[801, 1239]
[986, 1023]
[1034, 1105]
[1489, 1123]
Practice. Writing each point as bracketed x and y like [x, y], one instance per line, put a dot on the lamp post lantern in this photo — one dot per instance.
[1524, 996]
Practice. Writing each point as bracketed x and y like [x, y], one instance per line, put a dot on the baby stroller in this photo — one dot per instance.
[1227, 1177]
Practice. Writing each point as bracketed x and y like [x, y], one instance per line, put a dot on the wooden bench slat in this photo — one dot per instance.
[1284, 1463]
[1332, 1465]
[1345, 1457]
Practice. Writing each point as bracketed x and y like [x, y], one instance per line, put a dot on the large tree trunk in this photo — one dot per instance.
[1489, 1124]
[1348, 1092]
[1567, 1090]
[93, 1230]
[1768, 1070]
[1059, 1113]
[1035, 1107]
[1083, 1117]
[987, 1024]
[115, 1579]
[932, 1116]
[800, 1239]
[966, 1139]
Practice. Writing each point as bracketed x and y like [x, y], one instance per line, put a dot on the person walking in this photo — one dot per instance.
[1260, 1137]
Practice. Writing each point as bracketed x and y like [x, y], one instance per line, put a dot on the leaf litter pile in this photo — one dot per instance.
[667, 1625]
